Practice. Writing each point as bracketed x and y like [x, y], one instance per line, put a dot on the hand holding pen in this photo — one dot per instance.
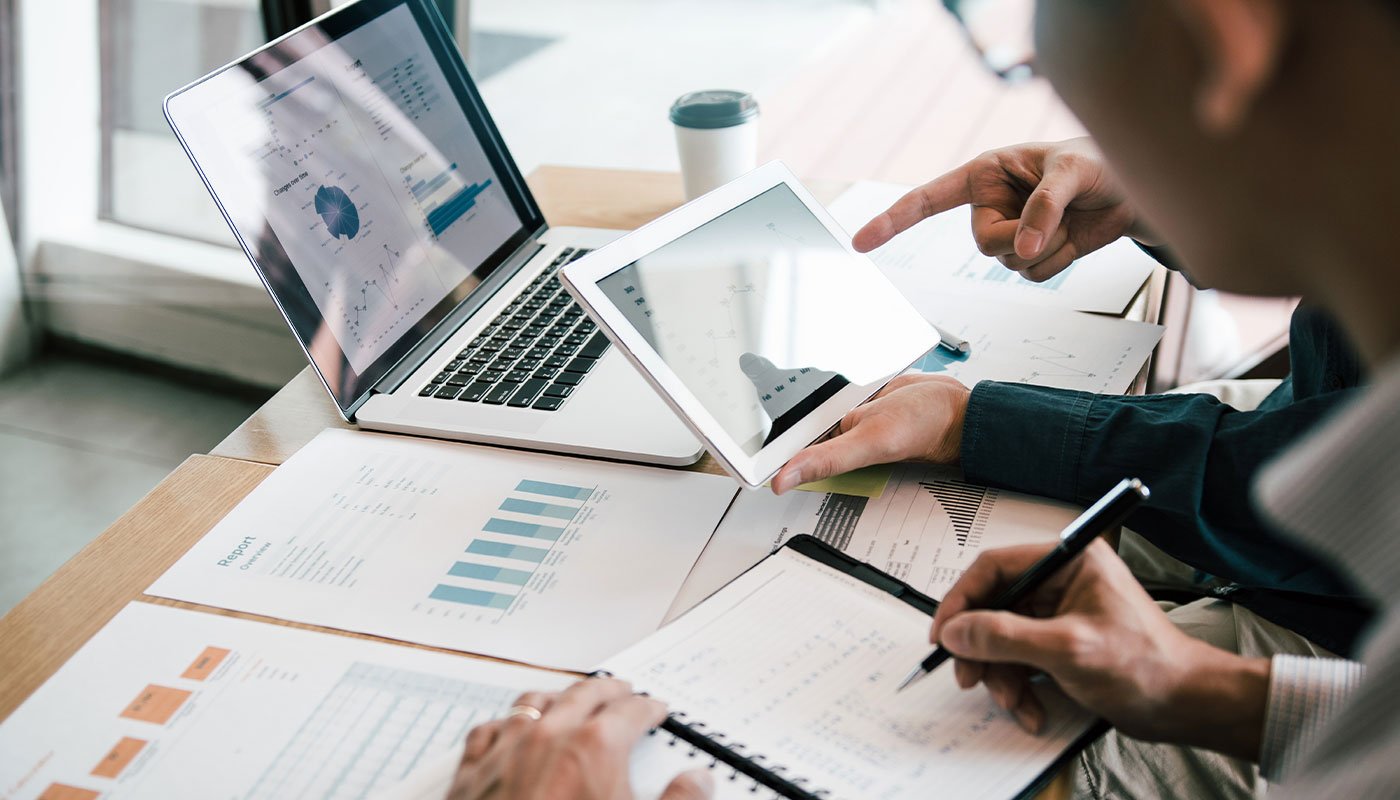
[1103, 641]
[1107, 513]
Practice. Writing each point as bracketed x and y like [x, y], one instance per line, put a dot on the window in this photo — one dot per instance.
[8, 176]
[148, 49]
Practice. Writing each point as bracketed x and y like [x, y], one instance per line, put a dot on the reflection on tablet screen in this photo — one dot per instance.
[743, 309]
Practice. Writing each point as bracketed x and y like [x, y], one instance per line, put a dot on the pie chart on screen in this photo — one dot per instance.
[338, 211]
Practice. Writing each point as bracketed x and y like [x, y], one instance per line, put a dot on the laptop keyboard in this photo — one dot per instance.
[534, 354]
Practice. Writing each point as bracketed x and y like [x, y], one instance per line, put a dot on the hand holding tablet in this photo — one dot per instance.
[750, 313]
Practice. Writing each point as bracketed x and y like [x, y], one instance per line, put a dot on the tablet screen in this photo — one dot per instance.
[757, 314]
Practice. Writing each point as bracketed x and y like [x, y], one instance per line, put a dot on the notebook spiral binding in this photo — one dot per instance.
[732, 754]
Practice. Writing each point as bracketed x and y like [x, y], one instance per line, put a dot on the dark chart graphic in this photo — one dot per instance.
[837, 519]
[338, 211]
[966, 506]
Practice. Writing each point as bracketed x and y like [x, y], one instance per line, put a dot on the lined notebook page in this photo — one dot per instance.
[797, 663]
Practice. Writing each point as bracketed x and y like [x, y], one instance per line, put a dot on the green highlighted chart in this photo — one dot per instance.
[519, 536]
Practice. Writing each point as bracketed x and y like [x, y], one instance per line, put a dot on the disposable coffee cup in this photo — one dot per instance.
[717, 136]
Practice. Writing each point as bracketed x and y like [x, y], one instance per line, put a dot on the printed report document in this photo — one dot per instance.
[543, 559]
[925, 528]
[169, 703]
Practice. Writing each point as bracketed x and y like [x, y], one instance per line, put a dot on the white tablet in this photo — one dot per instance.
[750, 313]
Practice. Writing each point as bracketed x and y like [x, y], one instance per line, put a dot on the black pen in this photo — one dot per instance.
[1108, 512]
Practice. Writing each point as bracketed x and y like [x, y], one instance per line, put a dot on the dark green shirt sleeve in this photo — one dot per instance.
[1197, 454]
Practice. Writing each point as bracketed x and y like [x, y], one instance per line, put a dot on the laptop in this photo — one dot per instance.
[364, 179]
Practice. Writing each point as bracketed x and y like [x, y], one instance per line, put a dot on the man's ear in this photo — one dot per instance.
[1240, 44]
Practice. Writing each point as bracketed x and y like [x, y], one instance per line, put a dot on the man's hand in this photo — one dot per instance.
[1104, 641]
[578, 748]
[914, 418]
[1035, 207]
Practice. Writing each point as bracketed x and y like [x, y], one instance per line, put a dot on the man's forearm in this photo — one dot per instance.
[1221, 702]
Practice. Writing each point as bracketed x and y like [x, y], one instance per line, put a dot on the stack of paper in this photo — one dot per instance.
[1042, 346]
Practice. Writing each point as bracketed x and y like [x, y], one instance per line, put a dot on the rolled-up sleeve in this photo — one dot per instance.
[1026, 438]
[1195, 452]
[1304, 693]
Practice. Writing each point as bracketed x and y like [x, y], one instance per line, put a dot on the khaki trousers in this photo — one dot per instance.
[1119, 767]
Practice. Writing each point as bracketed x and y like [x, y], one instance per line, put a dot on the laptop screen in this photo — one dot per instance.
[356, 162]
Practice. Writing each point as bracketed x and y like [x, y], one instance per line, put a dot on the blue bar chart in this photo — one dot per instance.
[445, 197]
[996, 273]
[423, 188]
[497, 566]
[455, 207]
[532, 554]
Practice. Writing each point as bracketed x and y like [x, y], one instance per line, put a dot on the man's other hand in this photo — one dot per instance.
[1036, 207]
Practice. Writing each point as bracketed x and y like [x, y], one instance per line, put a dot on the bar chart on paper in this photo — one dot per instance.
[498, 564]
[979, 270]
[515, 555]
[967, 508]
[231, 708]
[926, 528]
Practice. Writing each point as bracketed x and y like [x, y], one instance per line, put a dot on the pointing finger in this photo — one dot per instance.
[938, 195]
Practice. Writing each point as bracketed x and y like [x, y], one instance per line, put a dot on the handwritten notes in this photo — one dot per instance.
[797, 664]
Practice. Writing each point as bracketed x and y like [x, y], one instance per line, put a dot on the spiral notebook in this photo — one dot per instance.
[784, 681]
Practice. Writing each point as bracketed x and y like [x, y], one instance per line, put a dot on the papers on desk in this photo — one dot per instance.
[1041, 346]
[167, 703]
[939, 255]
[925, 529]
[536, 558]
[164, 702]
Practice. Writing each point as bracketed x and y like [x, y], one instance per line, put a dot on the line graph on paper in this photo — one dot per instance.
[1051, 361]
[1085, 364]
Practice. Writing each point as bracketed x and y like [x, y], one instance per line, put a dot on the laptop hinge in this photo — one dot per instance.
[414, 359]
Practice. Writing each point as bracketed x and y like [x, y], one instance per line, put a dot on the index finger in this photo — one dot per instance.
[941, 194]
[628, 718]
[989, 574]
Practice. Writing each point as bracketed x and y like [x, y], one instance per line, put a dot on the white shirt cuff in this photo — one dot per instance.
[1304, 693]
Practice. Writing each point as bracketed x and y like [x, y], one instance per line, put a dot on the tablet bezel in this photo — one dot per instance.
[582, 276]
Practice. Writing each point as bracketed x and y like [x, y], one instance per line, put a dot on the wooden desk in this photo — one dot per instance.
[49, 626]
